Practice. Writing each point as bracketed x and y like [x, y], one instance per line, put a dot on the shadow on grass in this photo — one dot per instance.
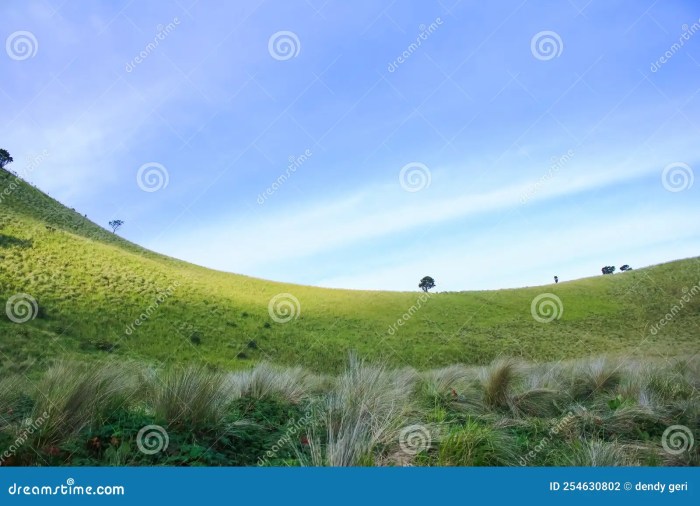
[7, 241]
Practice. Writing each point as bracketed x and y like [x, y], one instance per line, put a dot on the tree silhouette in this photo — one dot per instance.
[5, 158]
[115, 224]
[426, 283]
[608, 269]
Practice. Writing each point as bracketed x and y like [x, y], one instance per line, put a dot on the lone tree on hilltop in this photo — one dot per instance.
[115, 224]
[426, 283]
[5, 158]
[608, 269]
[625, 268]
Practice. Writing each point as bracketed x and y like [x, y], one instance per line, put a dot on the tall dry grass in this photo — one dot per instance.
[71, 396]
[365, 411]
[193, 397]
[606, 411]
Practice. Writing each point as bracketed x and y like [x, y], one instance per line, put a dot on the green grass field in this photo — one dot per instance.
[101, 339]
[90, 286]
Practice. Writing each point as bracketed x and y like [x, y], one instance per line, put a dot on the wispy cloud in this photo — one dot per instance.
[260, 243]
[475, 107]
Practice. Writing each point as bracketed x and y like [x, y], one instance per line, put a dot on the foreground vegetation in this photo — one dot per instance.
[91, 287]
[580, 413]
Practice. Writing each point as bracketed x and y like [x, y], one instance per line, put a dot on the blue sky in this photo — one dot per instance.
[517, 141]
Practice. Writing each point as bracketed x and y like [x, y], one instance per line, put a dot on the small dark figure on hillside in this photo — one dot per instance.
[556, 279]
[609, 269]
[625, 268]
[426, 283]
[115, 224]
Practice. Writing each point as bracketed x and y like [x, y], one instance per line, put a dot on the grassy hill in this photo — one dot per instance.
[114, 355]
[91, 287]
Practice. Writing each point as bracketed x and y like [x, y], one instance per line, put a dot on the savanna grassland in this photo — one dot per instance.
[102, 339]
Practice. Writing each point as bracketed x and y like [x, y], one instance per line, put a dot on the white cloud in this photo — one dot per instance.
[531, 256]
[260, 243]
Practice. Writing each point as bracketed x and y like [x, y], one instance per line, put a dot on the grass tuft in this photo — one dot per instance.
[498, 381]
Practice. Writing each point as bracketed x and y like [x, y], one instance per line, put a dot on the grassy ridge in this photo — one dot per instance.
[91, 285]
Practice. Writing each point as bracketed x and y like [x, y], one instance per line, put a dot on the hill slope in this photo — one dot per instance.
[92, 288]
